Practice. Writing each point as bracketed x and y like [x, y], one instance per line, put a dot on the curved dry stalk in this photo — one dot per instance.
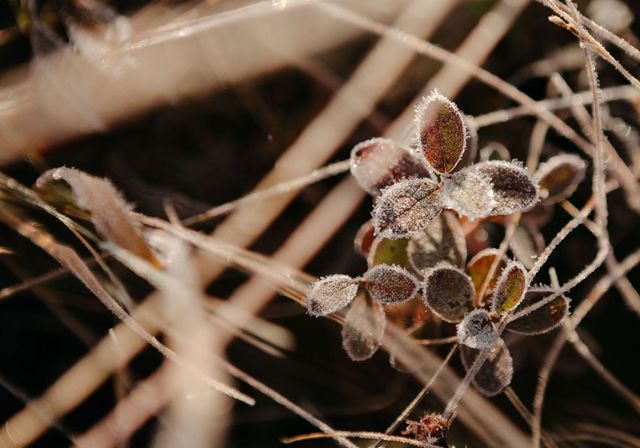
[440, 54]
[280, 188]
[608, 94]
[358, 435]
[601, 287]
[68, 257]
[148, 398]
[613, 38]
[435, 341]
[40, 410]
[571, 20]
[416, 401]
[526, 414]
[536, 144]
[583, 350]
[139, 78]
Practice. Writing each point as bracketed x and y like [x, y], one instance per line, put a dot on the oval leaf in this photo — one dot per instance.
[363, 328]
[443, 240]
[476, 330]
[330, 294]
[510, 289]
[390, 285]
[449, 293]
[470, 193]
[559, 177]
[442, 133]
[380, 162]
[407, 207]
[364, 239]
[496, 371]
[513, 187]
[388, 251]
[478, 269]
[544, 318]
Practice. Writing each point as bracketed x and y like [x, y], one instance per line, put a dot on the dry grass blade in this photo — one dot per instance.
[68, 257]
[109, 212]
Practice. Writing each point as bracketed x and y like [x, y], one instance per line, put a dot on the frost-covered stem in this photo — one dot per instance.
[281, 188]
[580, 312]
[452, 407]
[624, 286]
[609, 94]
[561, 235]
[601, 222]
[416, 401]
[604, 32]
[575, 26]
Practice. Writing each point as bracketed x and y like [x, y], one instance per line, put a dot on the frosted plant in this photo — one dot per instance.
[407, 202]
[365, 319]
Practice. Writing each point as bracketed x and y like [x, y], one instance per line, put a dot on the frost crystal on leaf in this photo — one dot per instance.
[389, 251]
[390, 285]
[442, 240]
[542, 319]
[559, 177]
[442, 132]
[476, 330]
[407, 207]
[496, 371]
[510, 289]
[449, 293]
[470, 193]
[330, 294]
[478, 269]
[513, 187]
[379, 162]
[363, 328]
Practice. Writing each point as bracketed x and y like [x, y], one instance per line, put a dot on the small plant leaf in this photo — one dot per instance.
[470, 193]
[363, 328]
[513, 188]
[478, 269]
[496, 371]
[364, 239]
[442, 133]
[510, 289]
[559, 177]
[330, 294]
[389, 251]
[542, 319]
[476, 330]
[390, 285]
[442, 240]
[379, 162]
[407, 207]
[448, 292]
